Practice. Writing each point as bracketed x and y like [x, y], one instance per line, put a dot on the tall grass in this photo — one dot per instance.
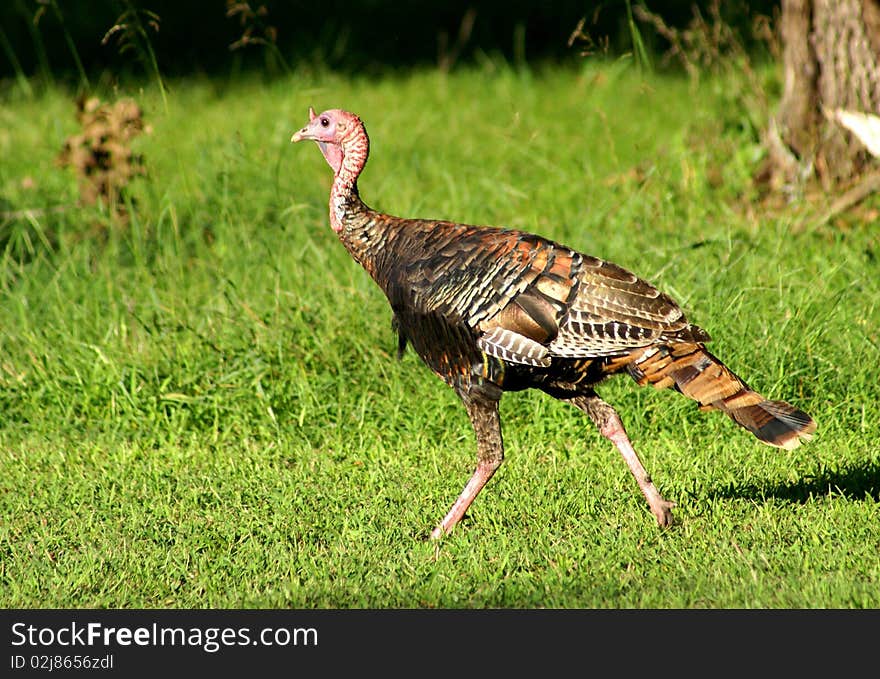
[640, 52]
[132, 33]
[205, 410]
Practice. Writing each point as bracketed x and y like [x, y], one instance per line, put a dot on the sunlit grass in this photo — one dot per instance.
[203, 408]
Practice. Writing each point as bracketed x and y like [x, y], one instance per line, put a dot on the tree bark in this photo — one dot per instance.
[831, 60]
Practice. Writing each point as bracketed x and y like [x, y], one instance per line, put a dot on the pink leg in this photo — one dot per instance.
[490, 452]
[611, 427]
[482, 474]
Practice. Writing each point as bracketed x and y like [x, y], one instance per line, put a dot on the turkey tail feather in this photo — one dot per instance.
[775, 422]
[696, 373]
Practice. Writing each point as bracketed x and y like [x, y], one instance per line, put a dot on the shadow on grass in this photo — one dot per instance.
[855, 482]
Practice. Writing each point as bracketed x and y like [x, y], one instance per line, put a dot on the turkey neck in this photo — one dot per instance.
[356, 224]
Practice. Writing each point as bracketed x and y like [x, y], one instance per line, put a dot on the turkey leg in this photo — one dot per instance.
[490, 454]
[610, 426]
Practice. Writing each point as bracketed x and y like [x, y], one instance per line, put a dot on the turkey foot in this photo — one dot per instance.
[483, 473]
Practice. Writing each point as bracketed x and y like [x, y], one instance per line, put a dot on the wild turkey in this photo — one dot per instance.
[492, 310]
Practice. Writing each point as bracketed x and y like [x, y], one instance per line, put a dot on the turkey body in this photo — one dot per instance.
[492, 310]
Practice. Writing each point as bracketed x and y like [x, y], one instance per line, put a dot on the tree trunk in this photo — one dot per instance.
[831, 60]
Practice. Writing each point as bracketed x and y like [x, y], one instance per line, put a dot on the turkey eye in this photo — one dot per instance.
[324, 122]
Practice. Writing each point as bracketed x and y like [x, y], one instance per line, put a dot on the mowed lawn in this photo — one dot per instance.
[203, 408]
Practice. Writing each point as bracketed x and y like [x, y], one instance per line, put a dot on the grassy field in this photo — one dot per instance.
[203, 409]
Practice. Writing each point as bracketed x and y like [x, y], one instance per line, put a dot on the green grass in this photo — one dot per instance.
[205, 410]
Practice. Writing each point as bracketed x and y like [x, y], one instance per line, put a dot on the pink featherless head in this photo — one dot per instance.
[333, 130]
[332, 126]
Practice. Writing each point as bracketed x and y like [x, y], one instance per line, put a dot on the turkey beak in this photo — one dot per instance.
[304, 132]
